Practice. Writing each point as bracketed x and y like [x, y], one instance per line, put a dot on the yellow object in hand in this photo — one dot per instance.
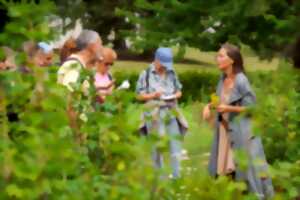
[215, 100]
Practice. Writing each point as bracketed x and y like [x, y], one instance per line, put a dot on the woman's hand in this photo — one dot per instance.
[178, 94]
[206, 114]
[147, 97]
[111, 84]
[156, 95]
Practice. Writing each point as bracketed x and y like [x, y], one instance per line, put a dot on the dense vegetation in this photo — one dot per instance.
[42, 158]
[270, 28]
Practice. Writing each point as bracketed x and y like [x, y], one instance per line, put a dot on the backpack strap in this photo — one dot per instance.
[73, 59]
[147, 79]
[174, 80]
[110, 77]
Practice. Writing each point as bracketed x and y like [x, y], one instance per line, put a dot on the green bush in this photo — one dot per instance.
[39, 148]
[41, 158]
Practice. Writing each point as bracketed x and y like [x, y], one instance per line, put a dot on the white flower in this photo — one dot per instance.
[125, 85]
[183, 151]
[83, 117]
[217, 24]
[210, 30]
[184, 155]
[85, 87]
[206, 154]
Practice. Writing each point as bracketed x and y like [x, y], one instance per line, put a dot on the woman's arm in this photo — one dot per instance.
[108, 86]
[248, 98]
[150, 96]
[223, 108]
[206, 113]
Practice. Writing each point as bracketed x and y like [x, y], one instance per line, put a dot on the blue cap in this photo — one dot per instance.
[46, 48]
[165, 57]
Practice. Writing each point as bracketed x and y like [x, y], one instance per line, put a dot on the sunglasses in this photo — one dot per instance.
[108, 64]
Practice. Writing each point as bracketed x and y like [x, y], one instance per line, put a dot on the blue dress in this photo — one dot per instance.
[243, 141]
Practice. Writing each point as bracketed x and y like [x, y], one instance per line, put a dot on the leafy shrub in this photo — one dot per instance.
[40, 157]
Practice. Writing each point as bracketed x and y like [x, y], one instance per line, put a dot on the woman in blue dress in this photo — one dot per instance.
[233, 127]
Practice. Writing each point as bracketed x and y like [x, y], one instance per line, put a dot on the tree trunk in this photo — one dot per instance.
[296, 54]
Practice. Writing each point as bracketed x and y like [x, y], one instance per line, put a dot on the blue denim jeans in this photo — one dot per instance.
[167, 127]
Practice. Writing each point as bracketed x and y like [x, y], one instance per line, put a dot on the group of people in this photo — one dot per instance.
[87, 53]
[36, 54]
[159, 85]
[159, 88]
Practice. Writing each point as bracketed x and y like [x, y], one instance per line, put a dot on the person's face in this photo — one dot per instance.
[96, 48]
[158, 65]
[96, 53]
[223, 60]
[44, 59]
[104, 66]
[48, 59]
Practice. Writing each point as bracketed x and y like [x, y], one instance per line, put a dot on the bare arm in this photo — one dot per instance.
[146, 97]
[237, 109]
[111, 84]
[229, 108]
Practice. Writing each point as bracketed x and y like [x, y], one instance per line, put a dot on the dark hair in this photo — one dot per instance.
[68, 48]
[234, 53]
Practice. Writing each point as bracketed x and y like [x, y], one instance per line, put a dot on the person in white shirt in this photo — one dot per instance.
[90, 50]
[89, 46]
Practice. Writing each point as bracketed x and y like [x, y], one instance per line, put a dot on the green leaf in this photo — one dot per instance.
[14, 191]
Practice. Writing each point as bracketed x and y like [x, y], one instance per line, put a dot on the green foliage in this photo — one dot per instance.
[2, 54]
[28, 21]
[267, 26]
[277, 115]
[98, 15]
[41, 158]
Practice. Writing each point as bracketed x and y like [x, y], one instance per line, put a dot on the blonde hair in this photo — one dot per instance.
[109, 54]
